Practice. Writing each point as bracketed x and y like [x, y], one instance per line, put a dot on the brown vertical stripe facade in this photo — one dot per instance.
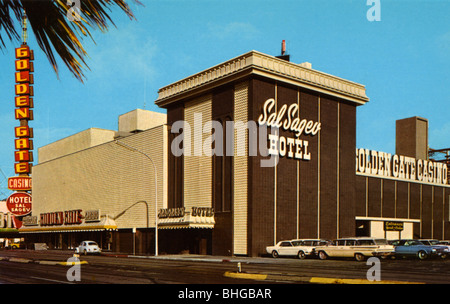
[316, 198]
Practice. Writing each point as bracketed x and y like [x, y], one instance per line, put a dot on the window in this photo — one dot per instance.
[350, 243]
[286, 244]
[366, 242]
[320, 243]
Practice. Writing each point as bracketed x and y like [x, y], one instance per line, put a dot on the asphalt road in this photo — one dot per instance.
[41, 267]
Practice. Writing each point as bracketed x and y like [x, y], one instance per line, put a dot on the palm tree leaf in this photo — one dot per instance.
[54, 31]
[6, 22]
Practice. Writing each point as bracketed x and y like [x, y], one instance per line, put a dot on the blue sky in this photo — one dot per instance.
[403, 60]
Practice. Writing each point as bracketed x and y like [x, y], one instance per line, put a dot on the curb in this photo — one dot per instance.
[43, 262]
[72, 263]
[172, 258]
[312, 280]
[19, 260]
[243, 275]
[320, 280]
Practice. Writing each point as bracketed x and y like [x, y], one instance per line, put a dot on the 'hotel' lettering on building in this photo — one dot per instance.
[288, 119]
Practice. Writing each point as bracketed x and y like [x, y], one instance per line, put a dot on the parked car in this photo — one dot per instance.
[289, 248]
[442, 250]
[87, 247]
[15, 243]
[282, 248]
[307, 247]
[413, 248]
[358, 247]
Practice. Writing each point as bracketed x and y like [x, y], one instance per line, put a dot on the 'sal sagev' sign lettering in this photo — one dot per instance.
[19, 203]
[288, 119]
[181, 212]
[381, 164]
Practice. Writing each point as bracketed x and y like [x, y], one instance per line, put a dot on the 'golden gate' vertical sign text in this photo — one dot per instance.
[24, 103]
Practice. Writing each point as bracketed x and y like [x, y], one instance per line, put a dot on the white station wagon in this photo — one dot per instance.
[358, 247]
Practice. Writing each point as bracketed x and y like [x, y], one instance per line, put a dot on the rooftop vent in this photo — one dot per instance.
[283, 52]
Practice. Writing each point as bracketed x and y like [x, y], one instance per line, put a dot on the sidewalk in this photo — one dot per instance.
[195, 257]
[63, 255]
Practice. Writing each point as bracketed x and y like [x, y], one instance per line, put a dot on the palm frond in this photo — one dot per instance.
[54, 31]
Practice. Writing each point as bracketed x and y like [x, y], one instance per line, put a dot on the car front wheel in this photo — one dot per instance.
[274, 254]
[422, 255]
[359, 257]
[301, 255]
[322, 255]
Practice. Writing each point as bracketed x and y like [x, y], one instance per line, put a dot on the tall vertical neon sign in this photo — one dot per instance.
[23, 143]
[19, 203]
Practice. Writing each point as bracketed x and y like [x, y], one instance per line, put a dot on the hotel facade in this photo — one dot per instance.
[251, 151]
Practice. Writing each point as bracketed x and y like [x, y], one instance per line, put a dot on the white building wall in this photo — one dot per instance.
[108, 177]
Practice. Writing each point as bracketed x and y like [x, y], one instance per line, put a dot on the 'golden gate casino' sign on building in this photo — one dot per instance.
[381, 164]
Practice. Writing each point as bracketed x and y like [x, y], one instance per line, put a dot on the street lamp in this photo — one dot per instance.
[156, 189]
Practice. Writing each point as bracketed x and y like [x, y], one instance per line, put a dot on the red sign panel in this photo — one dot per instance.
[19, 203]
[19, 183]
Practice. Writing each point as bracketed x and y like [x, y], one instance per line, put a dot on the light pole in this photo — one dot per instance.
[156, 189]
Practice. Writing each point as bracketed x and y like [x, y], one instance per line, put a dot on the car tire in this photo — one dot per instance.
[422, 255]
[84, 252]
[444, 256]
[359, 257]
[275, 254]
[323, 255]
[301, 255]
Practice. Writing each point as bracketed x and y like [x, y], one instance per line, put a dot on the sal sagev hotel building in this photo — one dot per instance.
[301, 180]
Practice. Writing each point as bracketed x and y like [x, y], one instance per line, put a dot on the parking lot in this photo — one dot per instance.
[361, 248]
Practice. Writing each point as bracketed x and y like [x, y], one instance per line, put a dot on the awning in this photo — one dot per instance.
[187, 221]
[105, 223]
[8, 230]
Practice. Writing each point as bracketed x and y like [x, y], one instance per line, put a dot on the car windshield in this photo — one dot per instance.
[434, 242]
[413, 243]
[92, 243]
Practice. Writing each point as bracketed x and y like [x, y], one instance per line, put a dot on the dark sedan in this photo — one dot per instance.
[413, 248]
[441, 249]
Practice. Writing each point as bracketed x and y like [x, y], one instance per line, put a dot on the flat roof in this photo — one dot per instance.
[257, 63]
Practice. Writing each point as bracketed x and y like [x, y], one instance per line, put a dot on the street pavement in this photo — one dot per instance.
[249, 269]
